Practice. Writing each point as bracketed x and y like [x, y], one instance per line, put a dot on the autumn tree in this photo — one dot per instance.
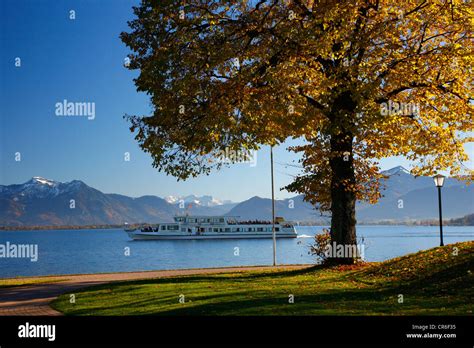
[357, 80]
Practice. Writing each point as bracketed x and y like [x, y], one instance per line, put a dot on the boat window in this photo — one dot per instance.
[277, 229]
[202, 220]
[173, 227]
[183, 229]
[163, 227]
[216, 230]
[260, 229]
[221, 220]
[208, 220]
[227, 229]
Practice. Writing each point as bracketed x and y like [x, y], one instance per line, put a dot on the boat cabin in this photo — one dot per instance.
[205, 220]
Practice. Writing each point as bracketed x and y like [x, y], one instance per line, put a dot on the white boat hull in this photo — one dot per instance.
[138, 235]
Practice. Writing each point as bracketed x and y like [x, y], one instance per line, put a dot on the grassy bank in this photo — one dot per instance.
[438, 281]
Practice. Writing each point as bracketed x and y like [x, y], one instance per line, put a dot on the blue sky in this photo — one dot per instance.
[82, 60]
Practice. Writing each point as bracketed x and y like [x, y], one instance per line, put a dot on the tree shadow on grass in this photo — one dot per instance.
[188, 279]
[324, 303]
[137, 306]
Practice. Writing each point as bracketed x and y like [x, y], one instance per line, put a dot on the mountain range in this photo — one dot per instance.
[44, 202]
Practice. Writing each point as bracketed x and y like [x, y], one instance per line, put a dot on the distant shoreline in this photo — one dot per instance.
[109, 227]
[43, 228]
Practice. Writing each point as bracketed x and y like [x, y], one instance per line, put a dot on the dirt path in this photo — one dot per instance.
[35, 299]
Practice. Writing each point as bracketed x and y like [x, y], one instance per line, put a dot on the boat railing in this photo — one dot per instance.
[253, 222]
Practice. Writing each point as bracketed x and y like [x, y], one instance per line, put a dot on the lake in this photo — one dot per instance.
[100, 251]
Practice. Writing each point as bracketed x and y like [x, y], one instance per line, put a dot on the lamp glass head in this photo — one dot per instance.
[439, 180]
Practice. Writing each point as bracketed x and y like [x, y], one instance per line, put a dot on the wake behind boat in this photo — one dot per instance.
[213, 227]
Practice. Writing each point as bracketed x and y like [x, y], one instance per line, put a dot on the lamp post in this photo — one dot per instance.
[273, 210]
[439, 181]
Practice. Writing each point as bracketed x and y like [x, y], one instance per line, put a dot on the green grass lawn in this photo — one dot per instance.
[438, 281]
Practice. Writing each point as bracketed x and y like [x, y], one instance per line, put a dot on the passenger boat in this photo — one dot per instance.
[213, 227]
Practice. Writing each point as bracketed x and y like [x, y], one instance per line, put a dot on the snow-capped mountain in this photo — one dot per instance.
[203, 201]
[40, 187]
[41, 201]
[396, 170]
[42, 181]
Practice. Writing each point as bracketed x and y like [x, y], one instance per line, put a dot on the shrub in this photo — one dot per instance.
[320, 246]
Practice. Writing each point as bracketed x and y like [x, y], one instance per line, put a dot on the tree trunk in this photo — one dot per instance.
[343, 201]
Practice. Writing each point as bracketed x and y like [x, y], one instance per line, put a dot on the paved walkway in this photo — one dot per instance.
[35, 299]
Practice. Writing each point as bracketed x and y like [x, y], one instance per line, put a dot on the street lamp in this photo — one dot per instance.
[273, 209]
[439, 181]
